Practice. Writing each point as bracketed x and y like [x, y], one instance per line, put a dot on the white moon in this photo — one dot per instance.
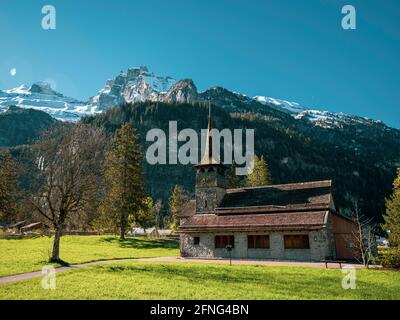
[13, 72]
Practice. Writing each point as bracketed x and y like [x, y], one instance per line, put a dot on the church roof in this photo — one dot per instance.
[254, 222]
[296, 205]
[292, 196]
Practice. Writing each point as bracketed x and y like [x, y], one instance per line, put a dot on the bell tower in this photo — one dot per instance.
[210, 177]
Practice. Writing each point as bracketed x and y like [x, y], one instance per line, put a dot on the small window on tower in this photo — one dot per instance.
[205, 203]
[196, 240]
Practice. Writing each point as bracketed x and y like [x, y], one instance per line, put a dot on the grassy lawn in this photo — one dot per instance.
[24, 255]
[163, 280]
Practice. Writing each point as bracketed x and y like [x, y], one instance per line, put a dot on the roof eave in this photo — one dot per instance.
[202, 229]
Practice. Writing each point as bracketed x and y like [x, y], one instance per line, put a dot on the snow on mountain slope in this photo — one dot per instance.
[325, 119]
[291, 107]
[40, 96]
[136, 85]
[139, 84]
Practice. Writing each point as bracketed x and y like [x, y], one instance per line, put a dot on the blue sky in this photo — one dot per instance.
[289, 49]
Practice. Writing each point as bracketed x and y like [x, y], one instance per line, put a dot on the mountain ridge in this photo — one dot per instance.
[40, 96]
[138, 84]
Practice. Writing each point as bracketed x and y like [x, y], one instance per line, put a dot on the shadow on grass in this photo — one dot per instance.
[21, 237]
[201, 273]
[292, 284]
[60, 262]
[143, 243]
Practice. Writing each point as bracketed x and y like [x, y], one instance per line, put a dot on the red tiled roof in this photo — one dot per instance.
[293, 220]
[296, 195]
[271, 209]
[286, 206]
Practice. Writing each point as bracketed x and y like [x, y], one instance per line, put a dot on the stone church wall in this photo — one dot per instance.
[320, 247]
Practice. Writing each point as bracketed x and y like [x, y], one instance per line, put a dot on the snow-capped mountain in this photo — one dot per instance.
[139, 84]
[40, 96]
[325, 119]
[136, 85]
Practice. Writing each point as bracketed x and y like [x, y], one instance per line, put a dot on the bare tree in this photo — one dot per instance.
[362, 237]
[69, 162]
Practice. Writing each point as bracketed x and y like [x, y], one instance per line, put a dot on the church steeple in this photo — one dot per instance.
[210, 176]
[208, 157]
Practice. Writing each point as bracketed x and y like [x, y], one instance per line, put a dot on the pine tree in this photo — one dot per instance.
[146, 216]
[260, 175]
[124, 180]
[232, 179]
[176, 202]
[8, 188]
[392, 215]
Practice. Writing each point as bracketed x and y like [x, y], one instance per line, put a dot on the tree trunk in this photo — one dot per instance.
[55, 255]
[123, 226]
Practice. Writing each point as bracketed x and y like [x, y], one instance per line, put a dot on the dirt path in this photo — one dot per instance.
[37, 274]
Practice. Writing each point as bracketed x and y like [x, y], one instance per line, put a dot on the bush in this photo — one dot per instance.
[389, 258]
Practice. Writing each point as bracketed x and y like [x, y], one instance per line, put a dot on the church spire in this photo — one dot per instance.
[208, 157]
[209, 114]
[210, 176]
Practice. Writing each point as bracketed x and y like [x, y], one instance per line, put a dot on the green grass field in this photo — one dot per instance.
[167, 280]
[25, 255]
[163, 280]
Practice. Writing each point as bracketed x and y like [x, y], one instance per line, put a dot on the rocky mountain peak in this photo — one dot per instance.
[139, 84]
[184, 91]
[135, 85]
[43, 87]
[136, 72]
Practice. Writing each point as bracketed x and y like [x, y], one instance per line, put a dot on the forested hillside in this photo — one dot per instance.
[22, 126]
[361, 161]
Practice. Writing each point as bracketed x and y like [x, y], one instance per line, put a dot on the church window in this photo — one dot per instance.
[258, 241]
[299, 241]
[223, 241]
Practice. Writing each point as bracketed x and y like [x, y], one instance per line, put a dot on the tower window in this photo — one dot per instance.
[205, 203]
[196, 241]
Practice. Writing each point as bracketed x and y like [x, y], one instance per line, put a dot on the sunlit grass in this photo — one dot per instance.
[167, 280]
[25, 255]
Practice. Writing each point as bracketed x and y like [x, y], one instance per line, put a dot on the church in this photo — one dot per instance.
[297, 221]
